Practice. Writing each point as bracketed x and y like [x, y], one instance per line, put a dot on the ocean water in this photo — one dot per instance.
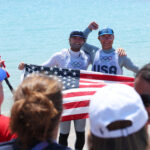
[32, 30]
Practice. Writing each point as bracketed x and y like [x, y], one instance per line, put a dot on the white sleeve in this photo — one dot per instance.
[89, 60]
[52, 61]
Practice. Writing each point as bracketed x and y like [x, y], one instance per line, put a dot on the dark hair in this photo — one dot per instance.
[144, 72]
[146, 99]
[135, 141]
[37, 109]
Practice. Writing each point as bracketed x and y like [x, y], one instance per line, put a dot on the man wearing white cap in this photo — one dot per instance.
[117, 119]
[5, 133]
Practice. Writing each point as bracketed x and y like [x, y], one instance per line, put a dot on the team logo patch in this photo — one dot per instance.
[106, 58]
[76, 64]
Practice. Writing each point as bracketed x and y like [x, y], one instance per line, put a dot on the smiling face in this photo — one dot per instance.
[76, 43]
[106, 41]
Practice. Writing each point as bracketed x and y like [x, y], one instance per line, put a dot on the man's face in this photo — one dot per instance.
[106, 41]
[143, 87]
[76, 43]
[1, 94]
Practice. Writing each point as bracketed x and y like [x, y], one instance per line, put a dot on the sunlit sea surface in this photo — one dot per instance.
[32, 30]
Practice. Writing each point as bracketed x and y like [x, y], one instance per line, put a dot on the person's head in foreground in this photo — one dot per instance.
[142, 80]
[36, 112]
[117, 119]
[142, 86]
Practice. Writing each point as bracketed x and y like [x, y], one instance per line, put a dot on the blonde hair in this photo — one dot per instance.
[37, 109]
[135, 141]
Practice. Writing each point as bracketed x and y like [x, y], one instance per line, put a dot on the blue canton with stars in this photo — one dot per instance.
[68, 77]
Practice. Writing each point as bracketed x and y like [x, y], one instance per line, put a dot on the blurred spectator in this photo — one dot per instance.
[142, 86]
[5, 133]
[35, 115]
[117, 118]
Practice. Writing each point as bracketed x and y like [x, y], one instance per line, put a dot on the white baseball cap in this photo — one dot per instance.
[115, 111]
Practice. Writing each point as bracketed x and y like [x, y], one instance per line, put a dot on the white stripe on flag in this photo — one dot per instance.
[75, 111]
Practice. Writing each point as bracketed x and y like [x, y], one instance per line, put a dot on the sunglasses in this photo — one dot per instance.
[146, 99]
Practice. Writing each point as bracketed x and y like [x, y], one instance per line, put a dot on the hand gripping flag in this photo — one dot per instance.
[78, 87]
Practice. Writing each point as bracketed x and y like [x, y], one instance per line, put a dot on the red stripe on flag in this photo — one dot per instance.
[128, 83]
[75, 117]
[106, 77]
[100, 85]
[76, 104]
[92, 86]
[82, 93]
[86, 81]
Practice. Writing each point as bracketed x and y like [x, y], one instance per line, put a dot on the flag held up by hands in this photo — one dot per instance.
[78, 87]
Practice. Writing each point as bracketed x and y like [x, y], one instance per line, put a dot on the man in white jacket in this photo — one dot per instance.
[70, 58]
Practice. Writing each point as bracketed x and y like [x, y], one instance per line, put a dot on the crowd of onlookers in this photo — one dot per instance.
[118, 115]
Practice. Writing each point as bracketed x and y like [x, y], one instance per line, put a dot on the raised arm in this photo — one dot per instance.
[88, 48]
[88, 30]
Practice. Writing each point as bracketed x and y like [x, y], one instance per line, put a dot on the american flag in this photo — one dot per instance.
[78, 87]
